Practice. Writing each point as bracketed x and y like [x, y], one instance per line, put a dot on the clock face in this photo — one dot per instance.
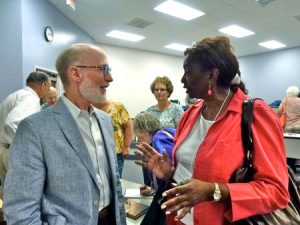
[49, 34]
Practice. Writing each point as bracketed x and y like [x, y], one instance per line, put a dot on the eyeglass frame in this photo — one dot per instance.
[106, 69]
[160, 89]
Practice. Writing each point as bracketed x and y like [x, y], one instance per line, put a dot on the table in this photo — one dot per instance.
[146, 200]
[292, 145]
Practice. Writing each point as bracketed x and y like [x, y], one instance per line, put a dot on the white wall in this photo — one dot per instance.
[133, 71]
[268, 75]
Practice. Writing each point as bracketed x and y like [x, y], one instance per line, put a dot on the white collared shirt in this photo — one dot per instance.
[90, 131]
[14, 108]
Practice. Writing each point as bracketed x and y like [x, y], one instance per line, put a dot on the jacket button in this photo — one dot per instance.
[96, 202]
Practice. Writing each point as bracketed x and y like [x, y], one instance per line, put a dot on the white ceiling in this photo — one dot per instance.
[279, 20]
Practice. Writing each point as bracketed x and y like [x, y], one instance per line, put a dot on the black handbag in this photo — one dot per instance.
[155, 215]
[290, 214]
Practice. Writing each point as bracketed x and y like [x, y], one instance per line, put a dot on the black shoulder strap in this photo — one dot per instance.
[247, 118]
[246, 171]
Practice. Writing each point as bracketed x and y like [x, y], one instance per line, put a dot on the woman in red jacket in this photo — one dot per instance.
[208, 146]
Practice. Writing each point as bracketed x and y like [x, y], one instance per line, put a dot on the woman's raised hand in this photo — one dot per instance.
[159, 165]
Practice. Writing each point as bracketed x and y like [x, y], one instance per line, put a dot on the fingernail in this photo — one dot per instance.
[168, 212]
[163, 206]
[175, 219]
[164, 194]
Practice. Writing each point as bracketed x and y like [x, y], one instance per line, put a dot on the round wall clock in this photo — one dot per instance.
[49, 34]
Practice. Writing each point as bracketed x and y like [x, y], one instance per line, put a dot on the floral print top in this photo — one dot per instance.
[169, 117]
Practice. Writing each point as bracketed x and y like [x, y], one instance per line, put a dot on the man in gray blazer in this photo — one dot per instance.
[63, 167]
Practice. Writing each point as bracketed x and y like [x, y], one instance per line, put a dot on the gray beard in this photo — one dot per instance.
[99, 99]
[91, 93]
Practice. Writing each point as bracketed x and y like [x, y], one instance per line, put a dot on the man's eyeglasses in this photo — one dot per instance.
[105, 69]
[160, 89]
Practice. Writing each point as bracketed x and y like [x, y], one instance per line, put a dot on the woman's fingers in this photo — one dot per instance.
[178, 189]
[140, 149]
[165, 155]
[139, 153]
[174, 204]
[181, 213]
[140, 163]
[178, 197]
[146, 148]
[144, 158]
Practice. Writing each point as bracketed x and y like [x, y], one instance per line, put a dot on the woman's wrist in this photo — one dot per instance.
[217, 192]
[169, 174]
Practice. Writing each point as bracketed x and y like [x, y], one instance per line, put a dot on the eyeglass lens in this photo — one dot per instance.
[106, 70]
[160, 89]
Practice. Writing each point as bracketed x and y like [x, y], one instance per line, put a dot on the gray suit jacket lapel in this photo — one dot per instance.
[69, 127]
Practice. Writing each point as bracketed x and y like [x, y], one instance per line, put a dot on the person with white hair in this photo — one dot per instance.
[292, 105]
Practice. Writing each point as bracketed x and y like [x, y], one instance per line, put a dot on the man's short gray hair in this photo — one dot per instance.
[72, 55]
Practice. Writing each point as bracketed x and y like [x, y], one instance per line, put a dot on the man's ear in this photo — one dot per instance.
[43, 84]
[75, 73]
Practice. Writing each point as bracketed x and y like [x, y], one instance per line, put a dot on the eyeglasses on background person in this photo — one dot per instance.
[159, 89]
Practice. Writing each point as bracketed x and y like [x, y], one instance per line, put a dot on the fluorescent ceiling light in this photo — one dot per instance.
[178, 10]
[124, 36]
[177, 47]
[236, 31]
[272, 44]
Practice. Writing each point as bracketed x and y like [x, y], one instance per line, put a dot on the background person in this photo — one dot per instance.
[123, 129]
[168, 113]
[208, 146]
[292, 105]
[292, 120]
[16, 107]
[147, 128]
[189, 102]
[63, 163]
[51, 98]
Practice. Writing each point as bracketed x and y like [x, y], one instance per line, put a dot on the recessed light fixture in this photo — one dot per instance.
[236, 31]
[178, 10]
[272, 44]
[177, 47]
[124, 36]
